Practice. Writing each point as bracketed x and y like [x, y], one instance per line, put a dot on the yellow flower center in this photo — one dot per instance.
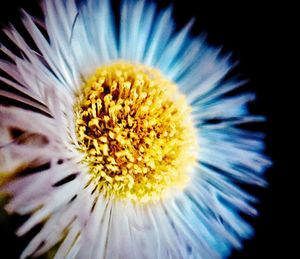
[135, 132]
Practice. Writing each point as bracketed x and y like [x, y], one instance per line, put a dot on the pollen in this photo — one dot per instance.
[135, 133]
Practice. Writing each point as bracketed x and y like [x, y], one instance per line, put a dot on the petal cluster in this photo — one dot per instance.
[41, 167]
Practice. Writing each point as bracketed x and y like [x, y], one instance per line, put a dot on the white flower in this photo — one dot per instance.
[114, 163]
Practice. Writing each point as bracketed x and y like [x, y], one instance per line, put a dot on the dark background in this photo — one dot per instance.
[256, 34]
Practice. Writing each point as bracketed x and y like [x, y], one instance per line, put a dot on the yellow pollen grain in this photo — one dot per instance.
[135, 132]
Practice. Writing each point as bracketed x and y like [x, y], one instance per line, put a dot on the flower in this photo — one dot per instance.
[125, 144]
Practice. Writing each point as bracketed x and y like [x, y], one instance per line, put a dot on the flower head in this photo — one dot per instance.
[110, 143]
[135, 132]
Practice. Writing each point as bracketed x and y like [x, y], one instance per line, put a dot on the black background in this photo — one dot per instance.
[256, 34]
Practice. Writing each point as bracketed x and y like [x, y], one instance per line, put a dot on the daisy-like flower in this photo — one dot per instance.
[123, 140]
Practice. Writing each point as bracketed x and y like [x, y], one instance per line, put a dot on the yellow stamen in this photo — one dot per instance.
[135, 132]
